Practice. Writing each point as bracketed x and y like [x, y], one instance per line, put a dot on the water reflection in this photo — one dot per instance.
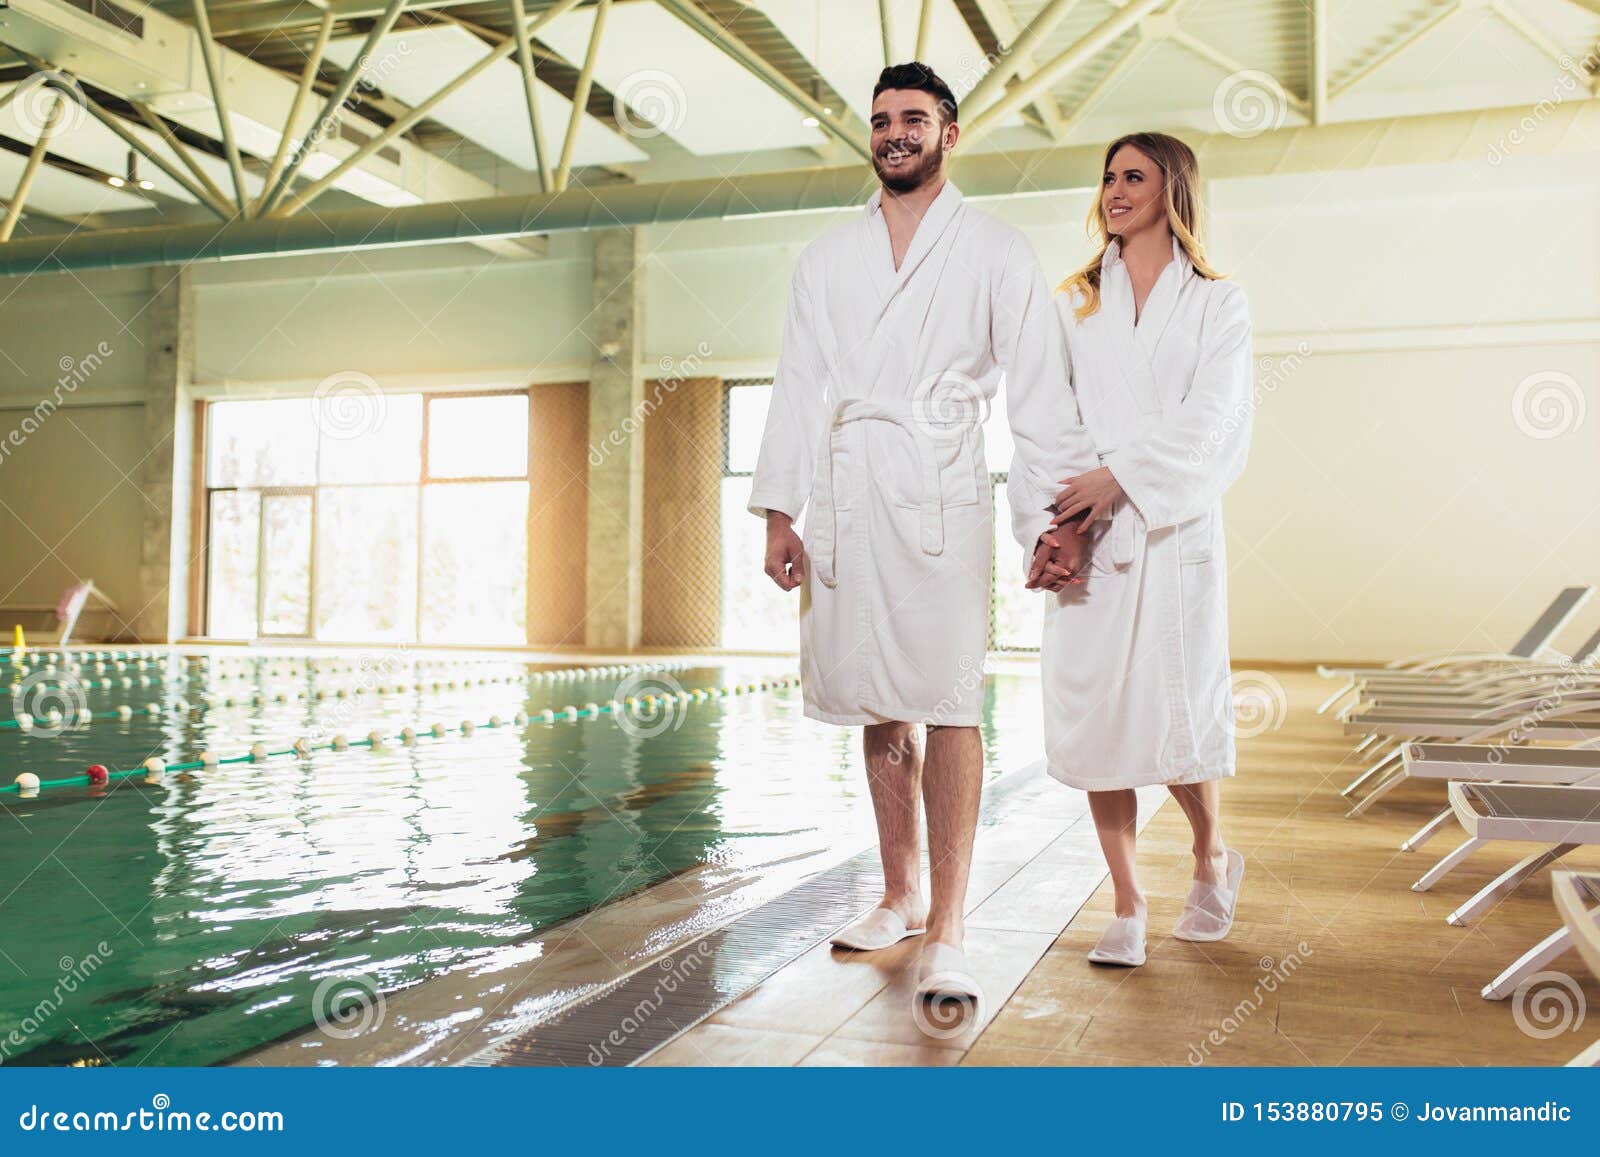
[224, 897]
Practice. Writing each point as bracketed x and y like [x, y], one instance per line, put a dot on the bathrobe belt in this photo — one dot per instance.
[824, 529]
[1124, 532]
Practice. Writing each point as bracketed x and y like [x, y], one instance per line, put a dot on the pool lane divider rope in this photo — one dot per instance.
[27, 785]
[24, 722]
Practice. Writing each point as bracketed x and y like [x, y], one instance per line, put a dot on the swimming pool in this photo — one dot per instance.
[190, 920]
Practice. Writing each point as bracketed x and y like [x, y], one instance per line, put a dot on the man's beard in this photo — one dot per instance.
[926, 168]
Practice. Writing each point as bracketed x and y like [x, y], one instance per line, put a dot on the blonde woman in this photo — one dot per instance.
[1135, 655]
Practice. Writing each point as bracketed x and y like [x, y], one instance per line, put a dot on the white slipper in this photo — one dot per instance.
[1121, 943]
[879, 928]
[1208, 912]
[942, 972]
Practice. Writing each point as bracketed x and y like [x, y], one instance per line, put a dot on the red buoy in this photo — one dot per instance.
[97, 773]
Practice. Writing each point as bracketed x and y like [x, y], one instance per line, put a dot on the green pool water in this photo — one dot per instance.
[190, 921]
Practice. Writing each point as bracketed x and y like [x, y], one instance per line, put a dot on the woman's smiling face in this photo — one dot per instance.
[1130, 194]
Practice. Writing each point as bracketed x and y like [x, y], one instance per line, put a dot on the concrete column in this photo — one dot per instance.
[166, 476]
[616, 445]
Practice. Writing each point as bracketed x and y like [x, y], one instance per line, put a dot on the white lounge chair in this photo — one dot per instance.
[1496, 684]
[1580, 929]
[1445, 664]
[1573, 892]
[1564, 710]
[1563, 817]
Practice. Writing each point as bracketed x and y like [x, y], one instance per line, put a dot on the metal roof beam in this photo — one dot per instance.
[1573, 126]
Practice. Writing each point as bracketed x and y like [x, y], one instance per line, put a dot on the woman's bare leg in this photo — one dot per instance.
[1202, 803]
[1116, 819]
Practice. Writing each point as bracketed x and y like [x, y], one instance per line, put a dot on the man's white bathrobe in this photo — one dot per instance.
[883, 382]
[1135, 660]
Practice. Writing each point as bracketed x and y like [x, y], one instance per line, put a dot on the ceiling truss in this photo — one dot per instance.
[1021, 80]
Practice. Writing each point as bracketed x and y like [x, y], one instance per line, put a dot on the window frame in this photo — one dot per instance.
[204, 490]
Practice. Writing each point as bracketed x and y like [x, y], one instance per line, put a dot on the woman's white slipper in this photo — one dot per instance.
[879, 928]
[942, 972]
[1208, 912]
[1121, 943]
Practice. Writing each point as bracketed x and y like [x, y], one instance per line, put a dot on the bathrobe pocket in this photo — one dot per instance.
[1197, 538]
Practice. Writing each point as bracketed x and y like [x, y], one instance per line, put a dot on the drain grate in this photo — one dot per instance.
[638, 1013]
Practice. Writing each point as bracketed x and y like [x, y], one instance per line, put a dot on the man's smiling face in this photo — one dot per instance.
[908, 138]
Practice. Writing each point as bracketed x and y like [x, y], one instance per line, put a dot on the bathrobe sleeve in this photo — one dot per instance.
[1051, 442]
[1176, 472]
[797, 412]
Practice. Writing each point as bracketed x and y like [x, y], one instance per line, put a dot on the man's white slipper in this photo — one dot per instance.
[879, 928]
[1208, 912]
[1121, 943]
[942, 972]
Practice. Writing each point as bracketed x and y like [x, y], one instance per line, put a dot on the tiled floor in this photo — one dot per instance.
[1334, 960]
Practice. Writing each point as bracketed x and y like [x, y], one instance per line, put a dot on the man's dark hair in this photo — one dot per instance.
[919, 76]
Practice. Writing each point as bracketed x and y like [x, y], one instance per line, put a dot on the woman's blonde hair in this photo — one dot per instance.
[1180, 189]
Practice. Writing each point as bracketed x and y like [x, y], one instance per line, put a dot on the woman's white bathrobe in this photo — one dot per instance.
[1135, 660]
[883, 381]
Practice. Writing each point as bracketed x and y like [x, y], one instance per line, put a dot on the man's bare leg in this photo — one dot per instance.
[894, 776]
[952, 784]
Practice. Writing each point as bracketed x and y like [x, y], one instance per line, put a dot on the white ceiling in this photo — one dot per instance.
[491, 110]
[79, 137]
[66, 193]
[677, 81]
[843, 39]
[1173, 73]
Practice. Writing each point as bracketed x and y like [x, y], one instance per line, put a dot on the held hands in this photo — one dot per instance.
[1096, 493]
[785, 561]
[1058, 561]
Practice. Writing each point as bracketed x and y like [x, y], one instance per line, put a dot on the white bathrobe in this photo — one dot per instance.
[1135, 660]
[883, 381]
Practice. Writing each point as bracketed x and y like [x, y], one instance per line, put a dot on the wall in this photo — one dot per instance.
[72, 367]
[1396, 500]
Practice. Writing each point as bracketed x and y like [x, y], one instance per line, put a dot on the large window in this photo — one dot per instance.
[363, 517]
[756, 615]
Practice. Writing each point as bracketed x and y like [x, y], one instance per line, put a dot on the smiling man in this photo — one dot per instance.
[901, 323]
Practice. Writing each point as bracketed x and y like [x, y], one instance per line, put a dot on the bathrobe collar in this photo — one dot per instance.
[875, 237]
[1158, 307]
